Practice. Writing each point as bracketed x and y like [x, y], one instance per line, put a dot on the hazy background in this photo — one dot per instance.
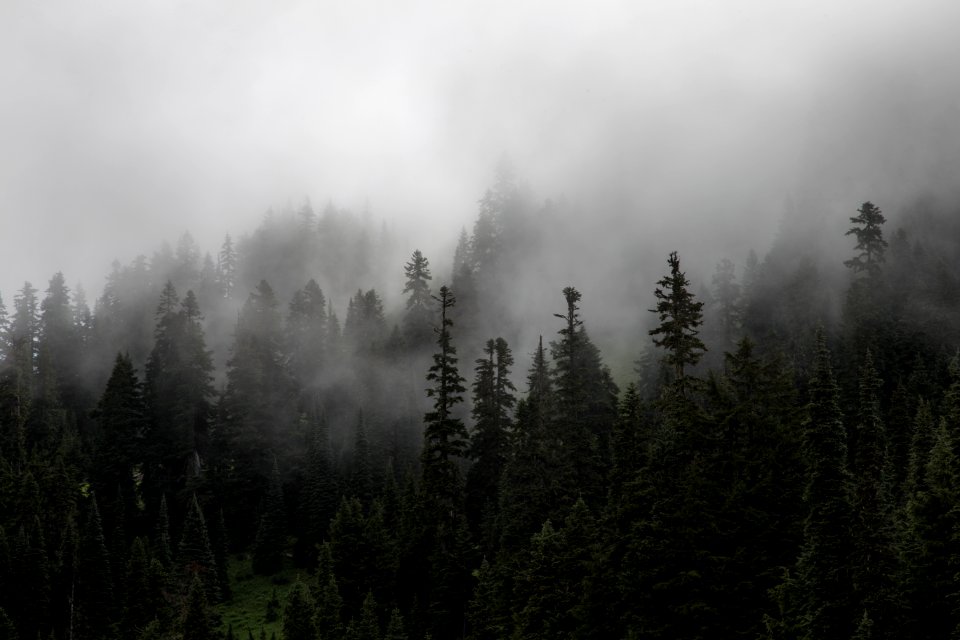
[682, 125]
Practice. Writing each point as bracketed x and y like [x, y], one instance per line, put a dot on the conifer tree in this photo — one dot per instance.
[121, 417]
[870, 243]
[366, 626]
[932, 547]
[179, 391]
[164, 547]
[271, 534]
[220, 544]
[873, 562]
[823, 570]
[94, 581]
[197, 624]
[227, 268]
[418, 320]
[528, 482]
[680, 317]
[445, 437]
[194, 555]
[586, 403]
[395, 630]
[298, 615]
[306, 335]
[320, 483]
[493, 403]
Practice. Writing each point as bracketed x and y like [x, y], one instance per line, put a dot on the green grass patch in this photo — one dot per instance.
[251, 593]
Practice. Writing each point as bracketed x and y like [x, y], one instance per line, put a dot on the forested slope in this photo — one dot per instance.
[782, 463]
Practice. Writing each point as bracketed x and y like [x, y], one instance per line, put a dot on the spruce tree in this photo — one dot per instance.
[197, 623]
[94, 580]
[874, 561]
[445, 436]
[870, 243]
[680, 317]
[194, 554]
[493, 403]
[271, 535]
[527, 487]
[823, 570]
[931, 544]
[298, 615]
[418, 320]
[586, 409]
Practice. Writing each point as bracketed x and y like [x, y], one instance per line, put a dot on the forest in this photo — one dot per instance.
[212, 449]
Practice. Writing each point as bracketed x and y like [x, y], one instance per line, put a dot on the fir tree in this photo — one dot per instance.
[823, 571]
[366, 626]
[445, 437]
[94, 588]
[194, 555]
[418, 319]
[271, 535]
[680, 316]
[197, 623]
[932, 546]
[298, 615]
[493, 403]
[870, 243]
[873, 562]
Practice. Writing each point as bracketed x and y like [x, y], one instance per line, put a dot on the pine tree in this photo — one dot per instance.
[823, 571]
[395, 630]
[931, 545]
[197, 623]
[306, 335]
[179, 391]
[94, 580]
[221, 554]
[586, 403]
[164, 548]
[121, 416]
[445, 437]
[271, 535]
[298, 615]
[320, 483]
[493, 403]
[528, 483]
[726, 295]
[418, 319]
[194, 555]
[367, 626]
[680, 316]
[874, 561]
[870, 243]
[227, 268]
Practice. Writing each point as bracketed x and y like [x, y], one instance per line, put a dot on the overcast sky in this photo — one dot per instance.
[124, 123]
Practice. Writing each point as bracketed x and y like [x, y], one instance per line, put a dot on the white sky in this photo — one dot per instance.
[125, 123]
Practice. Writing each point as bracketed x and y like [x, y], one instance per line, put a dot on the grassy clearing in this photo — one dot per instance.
[251, 593]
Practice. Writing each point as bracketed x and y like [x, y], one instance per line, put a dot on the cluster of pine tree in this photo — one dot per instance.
[797, 480]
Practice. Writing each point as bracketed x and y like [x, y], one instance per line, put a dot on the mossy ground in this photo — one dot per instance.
[247, 609]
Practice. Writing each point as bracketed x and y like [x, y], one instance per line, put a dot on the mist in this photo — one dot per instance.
[125, 125]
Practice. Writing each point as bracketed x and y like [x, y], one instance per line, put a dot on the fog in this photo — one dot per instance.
[695, 126]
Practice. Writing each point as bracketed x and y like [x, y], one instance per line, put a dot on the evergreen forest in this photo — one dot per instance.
[775, 454]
